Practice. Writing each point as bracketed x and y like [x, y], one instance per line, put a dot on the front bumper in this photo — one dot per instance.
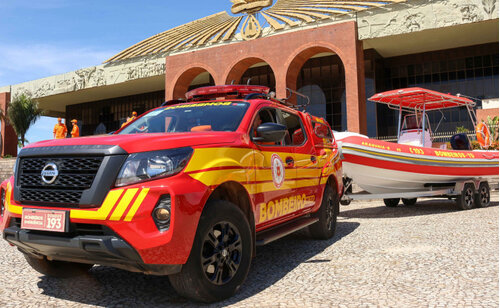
[127, 212]
[93, 249]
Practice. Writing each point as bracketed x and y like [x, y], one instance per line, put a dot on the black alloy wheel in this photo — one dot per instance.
[220, 257]
[482, 198]
[221, 253]
[327, 214]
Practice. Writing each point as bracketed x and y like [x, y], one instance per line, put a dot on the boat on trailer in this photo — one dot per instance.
[413, 167]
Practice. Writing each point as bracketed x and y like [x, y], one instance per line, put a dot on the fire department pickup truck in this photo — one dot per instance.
[188, 190]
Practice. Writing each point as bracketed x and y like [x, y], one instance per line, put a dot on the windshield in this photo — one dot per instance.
[414, 121]
[190, 117]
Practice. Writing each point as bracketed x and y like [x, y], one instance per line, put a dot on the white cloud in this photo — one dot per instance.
[20, 63]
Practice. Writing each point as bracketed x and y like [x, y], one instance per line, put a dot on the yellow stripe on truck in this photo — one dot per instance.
[206, 158]
[137, 204]
[124, 202]
[216, 177]
[103, 211]
[12, 208]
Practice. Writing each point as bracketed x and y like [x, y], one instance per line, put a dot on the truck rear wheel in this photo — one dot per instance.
[482, 198]
[327, 214]
[220, 257]
[58, 269]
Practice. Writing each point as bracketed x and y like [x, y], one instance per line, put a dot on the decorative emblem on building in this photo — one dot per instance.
[251, 27]
[249, 6]
[268, 15]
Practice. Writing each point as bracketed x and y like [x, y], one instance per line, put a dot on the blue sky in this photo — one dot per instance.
[49, 37]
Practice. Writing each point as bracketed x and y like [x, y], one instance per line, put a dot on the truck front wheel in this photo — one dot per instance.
[58, 269]
[327, 214]
[220, 257]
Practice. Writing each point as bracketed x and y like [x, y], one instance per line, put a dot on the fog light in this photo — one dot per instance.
[162, 212]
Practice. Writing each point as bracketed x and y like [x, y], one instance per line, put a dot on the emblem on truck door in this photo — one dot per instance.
[49, 173]
[278, 170]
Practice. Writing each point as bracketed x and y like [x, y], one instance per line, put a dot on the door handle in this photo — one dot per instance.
[289, 161]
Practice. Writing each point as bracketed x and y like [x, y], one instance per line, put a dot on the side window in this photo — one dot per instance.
[295, 133]
[322, 134]
[265, 115]
[322, 131]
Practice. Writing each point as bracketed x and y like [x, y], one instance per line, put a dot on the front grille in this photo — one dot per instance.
[75, 175]
[50, 196]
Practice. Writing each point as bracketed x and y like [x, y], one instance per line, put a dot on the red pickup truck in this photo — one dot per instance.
[188, 190]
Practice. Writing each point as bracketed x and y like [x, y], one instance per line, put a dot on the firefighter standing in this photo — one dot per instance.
[133, 117]
[60, 130]
[75, 132]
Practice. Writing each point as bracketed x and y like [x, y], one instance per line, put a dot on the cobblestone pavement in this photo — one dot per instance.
[429, 254]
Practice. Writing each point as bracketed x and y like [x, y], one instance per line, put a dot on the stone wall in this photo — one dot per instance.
[91, 77]
[6, 168]
[419, 15]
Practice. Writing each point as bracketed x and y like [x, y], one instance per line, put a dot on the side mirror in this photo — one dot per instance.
[270, 132]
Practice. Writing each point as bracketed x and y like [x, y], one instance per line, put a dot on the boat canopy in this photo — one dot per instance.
[419, 99]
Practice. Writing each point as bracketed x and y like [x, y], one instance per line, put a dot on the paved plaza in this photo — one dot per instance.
[426, 255]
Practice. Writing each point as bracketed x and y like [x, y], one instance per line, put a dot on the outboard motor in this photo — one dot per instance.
[460, 142]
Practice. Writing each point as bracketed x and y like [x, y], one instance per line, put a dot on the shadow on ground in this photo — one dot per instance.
[110, 287]
[425, 207]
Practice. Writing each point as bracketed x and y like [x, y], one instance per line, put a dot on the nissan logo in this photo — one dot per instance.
[49, 173]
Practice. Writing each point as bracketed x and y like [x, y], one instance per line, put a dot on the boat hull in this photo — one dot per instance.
[383, 167]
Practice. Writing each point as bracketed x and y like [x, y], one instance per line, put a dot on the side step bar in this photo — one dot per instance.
[267, 236]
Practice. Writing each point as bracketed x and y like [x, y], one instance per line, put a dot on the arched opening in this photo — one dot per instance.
[191, 79]
[319, 73]
[252, 71]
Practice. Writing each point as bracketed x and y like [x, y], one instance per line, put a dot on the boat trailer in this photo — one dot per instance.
[462, 191]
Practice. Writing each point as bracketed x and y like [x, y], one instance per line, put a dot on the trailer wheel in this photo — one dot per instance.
[393, 202]
[220, 257]
[409, 201]
[466, 199]
[347, 191]
[482, 198]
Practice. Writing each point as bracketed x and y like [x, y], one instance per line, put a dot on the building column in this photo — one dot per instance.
[9, 137]
[355, 91]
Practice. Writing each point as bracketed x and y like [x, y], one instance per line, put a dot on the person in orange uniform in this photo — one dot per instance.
[60, 130]
[133, 117]
[75, 132]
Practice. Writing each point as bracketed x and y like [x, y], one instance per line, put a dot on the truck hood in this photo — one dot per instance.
[147, 142]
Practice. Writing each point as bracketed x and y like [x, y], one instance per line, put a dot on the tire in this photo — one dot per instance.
[327, 214]
[482, 198]
[391, 202]
[347, 191]
[466, 199]
[410, 202]
[220, 257]
[57, 269]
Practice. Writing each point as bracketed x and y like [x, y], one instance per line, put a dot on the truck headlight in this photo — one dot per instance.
[146, 166]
